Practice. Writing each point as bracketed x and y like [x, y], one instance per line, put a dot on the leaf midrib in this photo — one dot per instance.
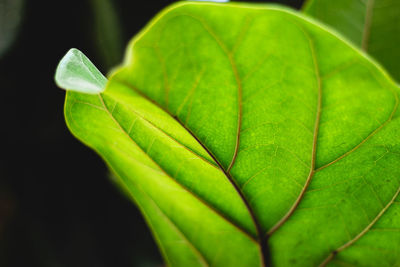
[260, 240]
[229, 55]
[250, 236]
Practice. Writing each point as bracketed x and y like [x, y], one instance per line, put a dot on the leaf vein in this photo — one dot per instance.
[362, 233]
[181, 185]
[315, 136]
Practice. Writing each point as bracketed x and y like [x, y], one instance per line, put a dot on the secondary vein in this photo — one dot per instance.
[396, 105]
[261, 240]
[181, 185]
[314, 145]
[239, 123]
[362, 233]
[229, 55]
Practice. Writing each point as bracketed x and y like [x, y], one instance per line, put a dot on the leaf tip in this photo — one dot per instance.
[76, 72]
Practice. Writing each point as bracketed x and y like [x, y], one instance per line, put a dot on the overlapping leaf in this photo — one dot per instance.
[371, 24]
[250, 135]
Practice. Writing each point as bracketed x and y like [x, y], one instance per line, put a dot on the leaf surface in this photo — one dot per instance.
[250, 135]
[372, 25]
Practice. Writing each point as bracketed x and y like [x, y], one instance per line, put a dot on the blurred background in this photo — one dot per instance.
[58, 206]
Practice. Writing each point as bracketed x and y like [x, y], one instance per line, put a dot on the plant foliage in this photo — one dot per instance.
[251, 135]
[373, 25]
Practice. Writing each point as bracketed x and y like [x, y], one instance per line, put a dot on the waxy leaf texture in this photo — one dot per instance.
[250, 135]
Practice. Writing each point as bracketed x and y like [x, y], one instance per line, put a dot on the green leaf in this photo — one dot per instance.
[251, 135]
[372, 25]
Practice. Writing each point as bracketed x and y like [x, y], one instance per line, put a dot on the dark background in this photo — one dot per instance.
[57, 204]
